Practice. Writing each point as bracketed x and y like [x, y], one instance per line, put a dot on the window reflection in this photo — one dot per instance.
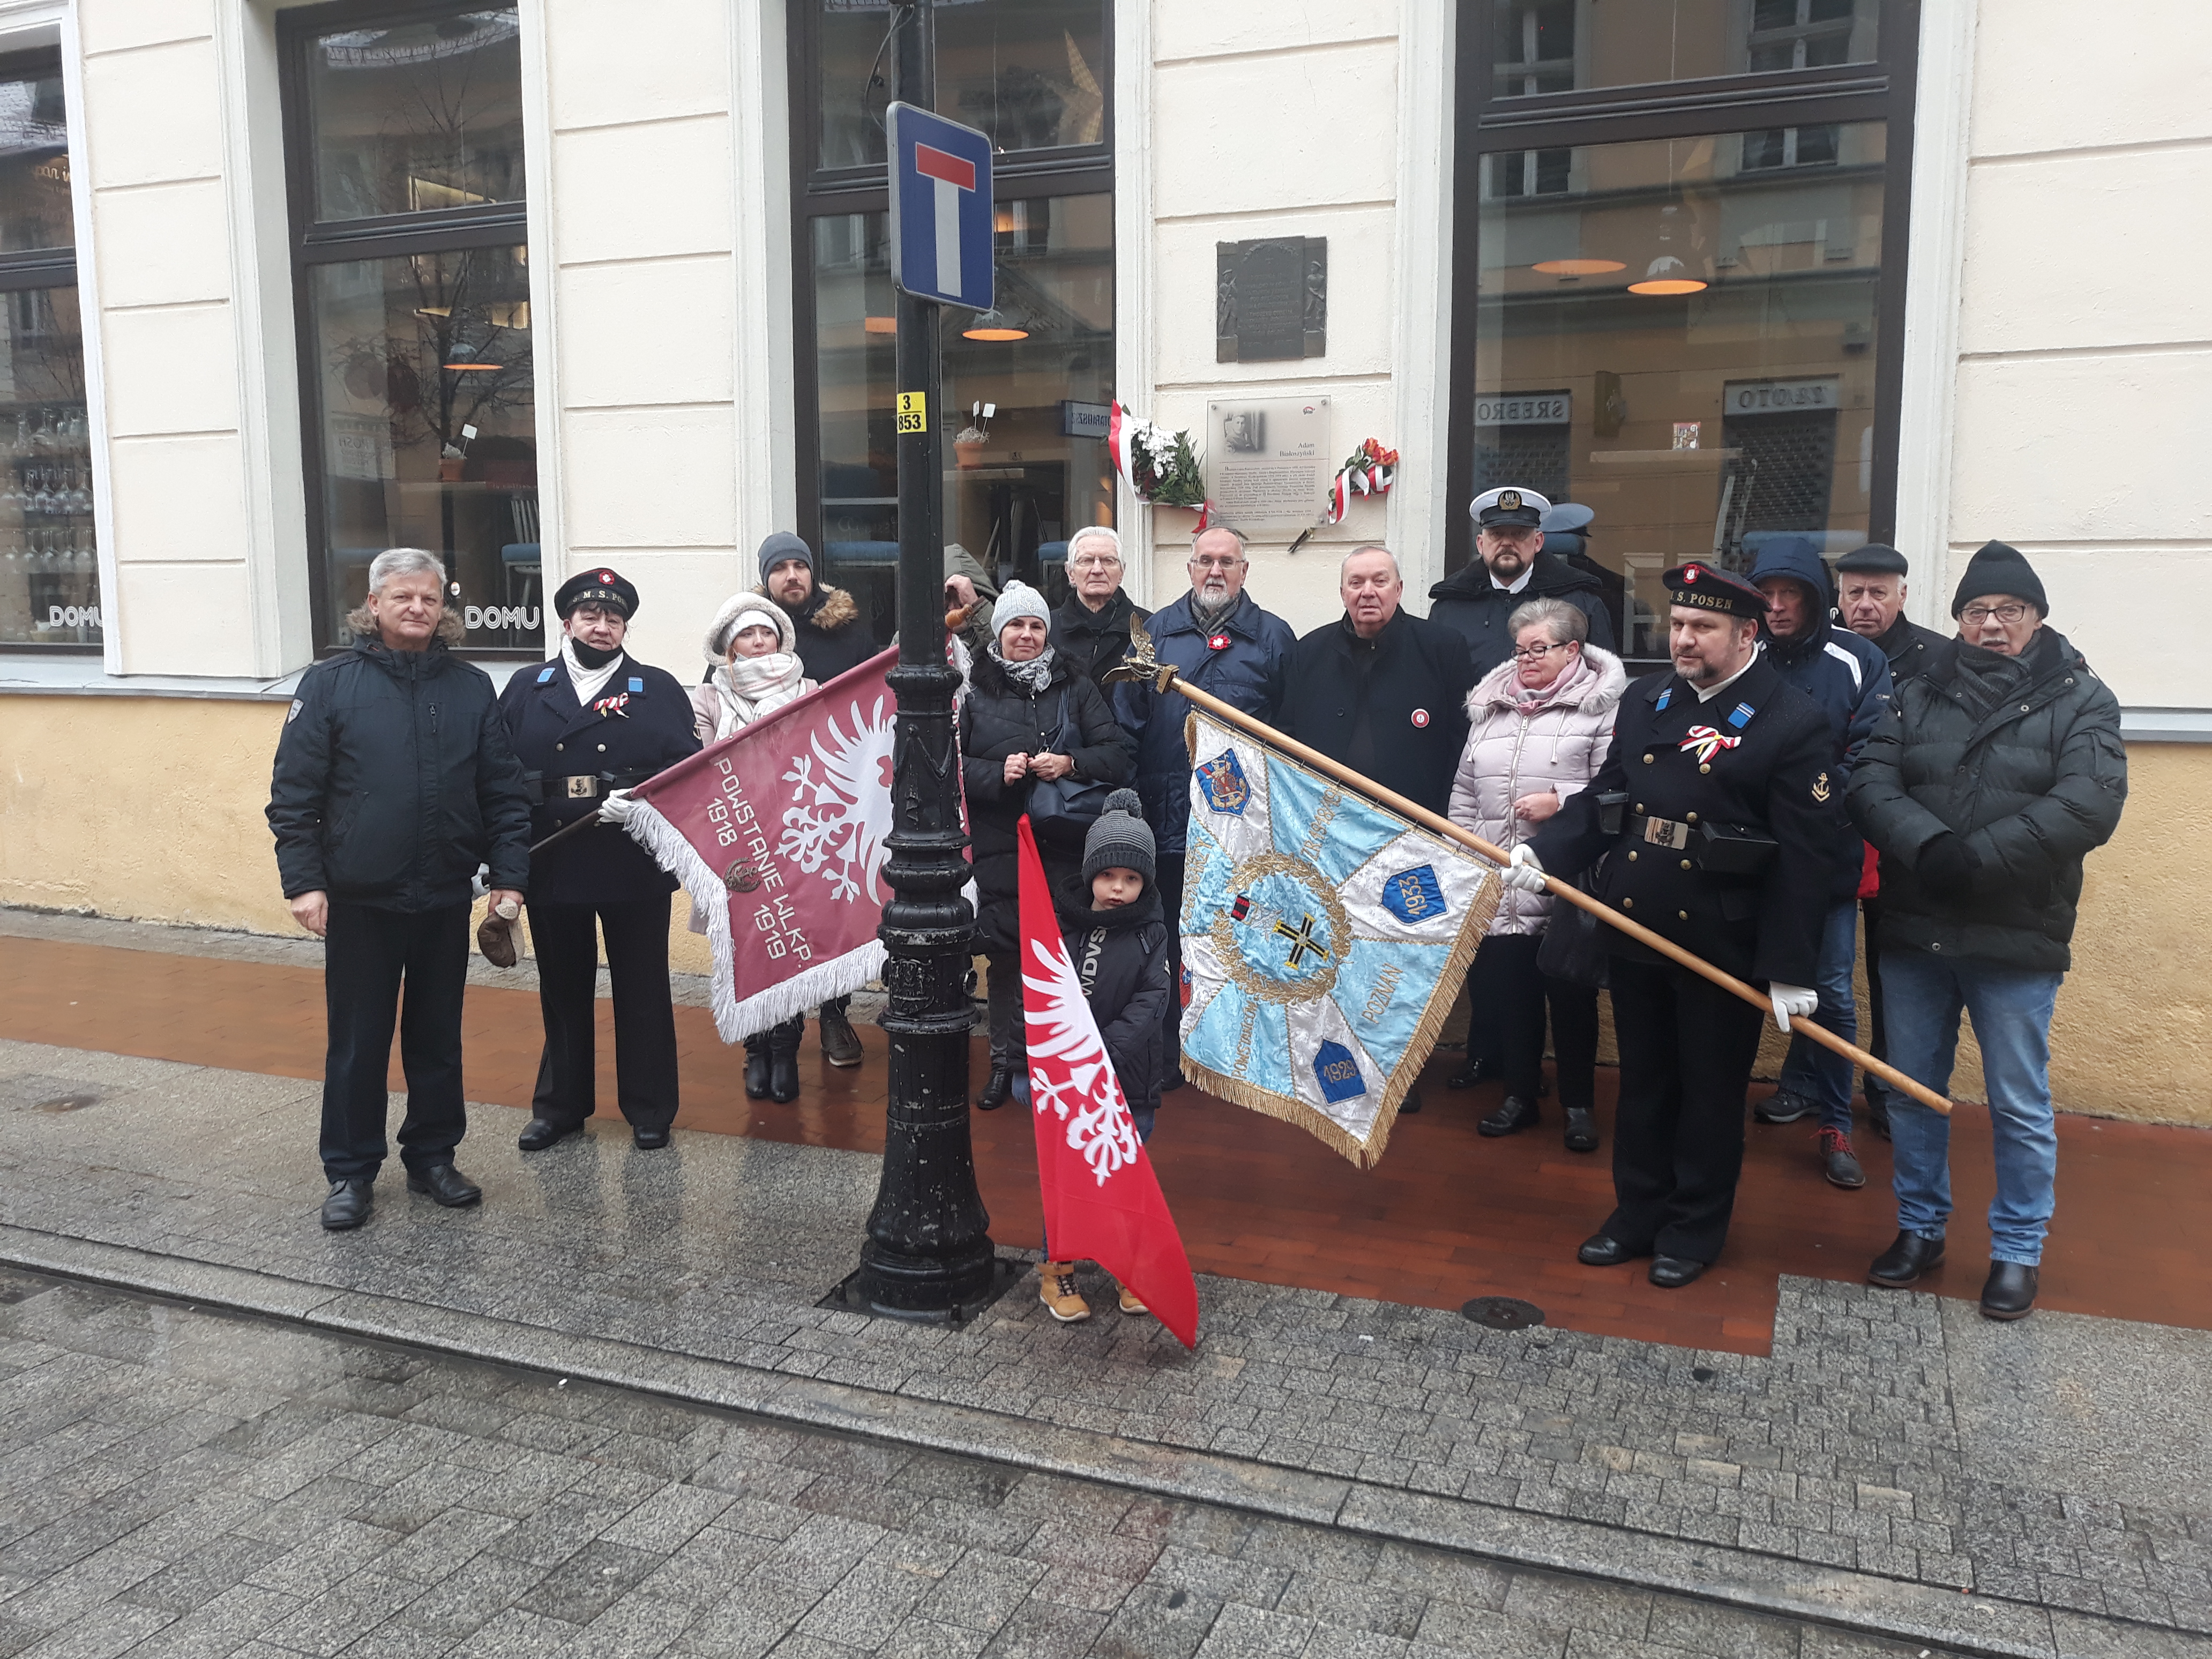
[427, 400]
[34, 164]
[1019, 478]
[412, 117]
[48, 561]
[1567, 45]
[1030, 73]
[1681, 338]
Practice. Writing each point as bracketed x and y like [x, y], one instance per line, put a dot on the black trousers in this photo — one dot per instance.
[1506, 992]
[1168, 872]
[568, 996]
[1877, 1092]
[1010, 1040]
[369, 955]
[1687, 1049]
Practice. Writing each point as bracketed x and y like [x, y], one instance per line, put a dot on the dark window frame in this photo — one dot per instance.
[341, 241]
[820, 192]
[27, 269]
[1882, 90]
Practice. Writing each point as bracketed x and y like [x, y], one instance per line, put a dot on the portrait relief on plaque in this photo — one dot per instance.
[1269, 461]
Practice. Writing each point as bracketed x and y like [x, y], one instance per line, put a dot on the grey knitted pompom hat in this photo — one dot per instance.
[1121, 840]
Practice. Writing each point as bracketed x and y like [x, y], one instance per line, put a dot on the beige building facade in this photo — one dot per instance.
[1932, 302]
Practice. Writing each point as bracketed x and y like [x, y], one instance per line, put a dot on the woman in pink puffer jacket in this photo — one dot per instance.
[1539, 725]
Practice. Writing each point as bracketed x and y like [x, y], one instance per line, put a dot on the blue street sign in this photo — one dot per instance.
[941, 208]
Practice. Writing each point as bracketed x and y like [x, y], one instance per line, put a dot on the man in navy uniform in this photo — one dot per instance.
[1511, 567]
[1728, 817]
[588, 726]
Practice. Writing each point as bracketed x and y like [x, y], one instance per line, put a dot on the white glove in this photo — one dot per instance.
[1788, 999]
[616, 808]
[1522, 871]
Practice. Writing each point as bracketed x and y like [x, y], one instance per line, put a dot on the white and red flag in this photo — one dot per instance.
[1102, 1200]
[778, 832]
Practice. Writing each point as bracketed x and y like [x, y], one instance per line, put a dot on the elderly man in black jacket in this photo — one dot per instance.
[1998, 770]
[1870, 594]
[1380, 690]
[1511, 567]
[394, 780]
[1094, 623]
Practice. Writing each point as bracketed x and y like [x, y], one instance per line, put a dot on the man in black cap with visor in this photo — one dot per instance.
[1718, 814]
[588, 726]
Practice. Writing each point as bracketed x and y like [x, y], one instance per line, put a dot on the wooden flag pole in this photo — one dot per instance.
[1165, 678]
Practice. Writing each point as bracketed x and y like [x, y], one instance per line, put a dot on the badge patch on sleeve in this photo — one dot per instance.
[1820, 790]
[293, 712]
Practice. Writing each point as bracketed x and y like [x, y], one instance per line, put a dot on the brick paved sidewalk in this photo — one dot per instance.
[176, 1481]
[1893, 1451]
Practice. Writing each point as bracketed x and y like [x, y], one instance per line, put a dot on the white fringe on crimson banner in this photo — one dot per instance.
[734, 1021]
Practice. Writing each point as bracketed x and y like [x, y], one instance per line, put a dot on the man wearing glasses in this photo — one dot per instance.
[1091, 627]
[1223, 642]
[1997, 770]
[1511, 567]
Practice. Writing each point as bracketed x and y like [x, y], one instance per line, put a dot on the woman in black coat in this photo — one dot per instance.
[1026, 720]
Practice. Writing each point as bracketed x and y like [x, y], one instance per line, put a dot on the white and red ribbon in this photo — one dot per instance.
[1707, 743]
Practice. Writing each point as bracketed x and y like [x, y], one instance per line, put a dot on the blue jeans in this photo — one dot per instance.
[1811, 1072]
[2011, 1011]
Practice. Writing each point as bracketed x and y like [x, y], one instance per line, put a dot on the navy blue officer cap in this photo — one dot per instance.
[1707, 588]
[598, 586]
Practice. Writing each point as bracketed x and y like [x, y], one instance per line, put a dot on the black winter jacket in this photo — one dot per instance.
[1907, 645]
[394, 780]
[1250, 670]
[833, 635]
[1094, 641]
[1121, 956]
[2033, 786]
[1393, 708]
[1477, 607]
[998, 719]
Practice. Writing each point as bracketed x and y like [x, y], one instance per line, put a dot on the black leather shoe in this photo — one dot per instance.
[1474, 1071]
[1838, 1163]
[1782, 1106]
[1603, 1250]
[783, 1077]
[447, 1185]
[756, 1068]
[1905, 1261]
[348, 1205]
[1581, 1129]
[648, 1140]
[1411, 1103]
[2009, 1291]
[538, 1133]
[998, 1088]
[1515, 1115]
[1671, 1273]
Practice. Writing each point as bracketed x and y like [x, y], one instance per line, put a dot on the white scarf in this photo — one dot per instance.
[751, 687]
[587, 682]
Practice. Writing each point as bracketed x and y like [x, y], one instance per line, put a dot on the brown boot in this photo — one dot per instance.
[1056, 1289]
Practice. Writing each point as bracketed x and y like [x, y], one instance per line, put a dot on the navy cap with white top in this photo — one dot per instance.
[1509, 506]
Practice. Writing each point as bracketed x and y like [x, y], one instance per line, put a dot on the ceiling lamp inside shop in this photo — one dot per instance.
[995, 324]
[879, 324]
[1667, 275]
[1578, 267]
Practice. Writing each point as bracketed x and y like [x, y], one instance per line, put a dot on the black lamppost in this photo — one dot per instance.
[928, 1255]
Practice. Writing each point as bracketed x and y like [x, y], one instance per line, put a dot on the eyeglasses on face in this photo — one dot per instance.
[1975, 615]
[1229, 563]
[1535, 653]
[1094, 562]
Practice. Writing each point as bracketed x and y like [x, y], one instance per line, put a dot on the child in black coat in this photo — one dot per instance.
[1117, 940]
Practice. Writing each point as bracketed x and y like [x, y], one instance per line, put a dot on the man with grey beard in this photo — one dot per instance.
[1222, 642]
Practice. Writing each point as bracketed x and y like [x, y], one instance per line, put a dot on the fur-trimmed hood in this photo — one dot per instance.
[738, 611]
[829, 609]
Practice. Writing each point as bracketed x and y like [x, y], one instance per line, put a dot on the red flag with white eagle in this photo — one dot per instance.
[1102, 1200]
[779, 833]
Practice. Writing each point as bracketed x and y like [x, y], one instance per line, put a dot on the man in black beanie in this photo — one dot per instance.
[1998, 769]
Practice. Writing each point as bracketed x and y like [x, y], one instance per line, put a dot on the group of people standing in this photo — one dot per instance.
[1720, 802]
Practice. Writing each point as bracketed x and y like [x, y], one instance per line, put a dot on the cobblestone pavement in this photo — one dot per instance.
[1881, 1462]
[176, 1481]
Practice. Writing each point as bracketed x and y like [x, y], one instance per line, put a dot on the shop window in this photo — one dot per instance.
[1680, 309]
[49, 558]
[1026, 390]
[412, 277]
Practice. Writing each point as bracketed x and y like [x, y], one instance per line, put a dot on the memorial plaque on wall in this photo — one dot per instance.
[1271, 298]
[1268, 462]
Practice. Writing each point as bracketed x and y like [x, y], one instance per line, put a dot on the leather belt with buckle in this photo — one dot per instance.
[581, 789]
[1660, 832]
